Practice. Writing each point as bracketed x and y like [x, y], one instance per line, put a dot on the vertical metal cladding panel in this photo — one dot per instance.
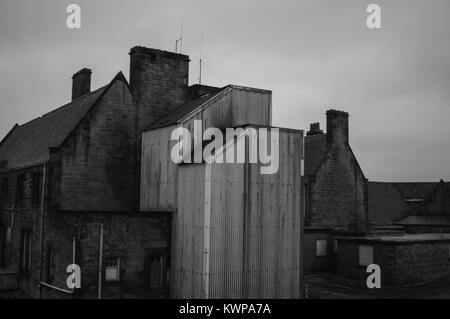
[255, 237]
[254, 228]
[227, 201]
[188, 242]
[273, 225]
[158, 171]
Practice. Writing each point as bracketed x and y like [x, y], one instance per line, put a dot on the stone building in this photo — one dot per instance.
[70, 186]
[336, 187]
[335, 190]
[351, 222]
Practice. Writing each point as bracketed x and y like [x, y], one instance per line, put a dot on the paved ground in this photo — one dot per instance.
[330, 286]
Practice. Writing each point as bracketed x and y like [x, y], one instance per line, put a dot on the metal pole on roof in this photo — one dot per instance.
[200, 75]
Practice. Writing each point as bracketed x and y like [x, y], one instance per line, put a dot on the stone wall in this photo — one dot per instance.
[402, 264]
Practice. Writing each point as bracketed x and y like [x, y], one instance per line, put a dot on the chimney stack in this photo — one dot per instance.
[314, 129]
[81, 83]
[337, 126]
[158, 79]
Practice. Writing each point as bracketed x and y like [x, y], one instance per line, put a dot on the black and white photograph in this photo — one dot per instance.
[248, 151]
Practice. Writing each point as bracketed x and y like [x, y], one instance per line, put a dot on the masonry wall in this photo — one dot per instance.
[134, 238]
[402, 264]
[158, 79]
[97, 168]
[337, 194]
[26, 217]
[312, 262]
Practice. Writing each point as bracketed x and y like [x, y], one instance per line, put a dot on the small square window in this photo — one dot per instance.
[112, 269]
[365, 255]
[321, 247]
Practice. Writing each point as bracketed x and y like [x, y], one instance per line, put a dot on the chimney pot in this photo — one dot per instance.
[314, 129]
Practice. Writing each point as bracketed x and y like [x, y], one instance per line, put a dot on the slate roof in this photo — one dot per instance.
[416, 190]
[385, 203]
[28, 144]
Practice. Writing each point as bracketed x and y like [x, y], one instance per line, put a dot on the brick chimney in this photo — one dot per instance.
[158, 79]
[337, 126]
[314, 129]
[81, 83]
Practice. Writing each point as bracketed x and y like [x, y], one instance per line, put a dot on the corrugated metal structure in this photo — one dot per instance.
[231, 107]
[237, 232]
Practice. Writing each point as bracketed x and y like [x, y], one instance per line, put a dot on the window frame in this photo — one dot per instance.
[108, 265]
[20, 187]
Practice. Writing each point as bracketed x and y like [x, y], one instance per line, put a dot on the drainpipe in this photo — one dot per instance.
[100, 263]
[41, 239]
[73, 249]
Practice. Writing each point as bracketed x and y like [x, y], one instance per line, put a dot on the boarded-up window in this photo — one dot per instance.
[321, 247]
[156, 271]
[365, 255]
[112, 269]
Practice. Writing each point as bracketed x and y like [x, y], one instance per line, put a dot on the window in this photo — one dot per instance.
[49, 262]
[156, 271]
[321, 247]
[365, 255]
[112, 269]
[4, 194]
[36, 187]
[20, 187]
[5, 244]
[25, 255]
[2, 245]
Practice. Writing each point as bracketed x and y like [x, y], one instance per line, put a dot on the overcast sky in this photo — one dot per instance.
[313, 55]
